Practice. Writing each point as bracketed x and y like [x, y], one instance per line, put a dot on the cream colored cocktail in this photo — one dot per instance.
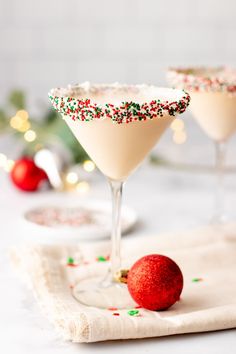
[213, 104]
[215, 112]
[117, 125]
[213, 98]
[117, 149]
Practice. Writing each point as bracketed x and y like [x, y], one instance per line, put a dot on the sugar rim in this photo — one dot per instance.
[85, 109]
[193, 79]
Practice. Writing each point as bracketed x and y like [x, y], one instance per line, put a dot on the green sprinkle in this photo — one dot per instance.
[133, 312]
[70, 260]
[101, 259]
[196, 280]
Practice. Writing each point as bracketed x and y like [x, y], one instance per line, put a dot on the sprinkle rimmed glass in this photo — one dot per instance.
[117, 125]
[213, 105]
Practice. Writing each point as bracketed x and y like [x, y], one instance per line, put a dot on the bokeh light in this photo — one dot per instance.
[3, 160]
[88, 165]
[30, 136]
[83, 187]
[9, 165]
[72, 177]
[20, 121]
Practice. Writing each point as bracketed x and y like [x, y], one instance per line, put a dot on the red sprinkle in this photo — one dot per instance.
[112, 308]
[116, 314]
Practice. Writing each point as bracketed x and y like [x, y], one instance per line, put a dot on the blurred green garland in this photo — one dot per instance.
[49, 128]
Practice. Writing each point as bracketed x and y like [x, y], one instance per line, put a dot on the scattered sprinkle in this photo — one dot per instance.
[196, 280]
[101, 259]
[112, 308]
[70, 260]
[133, 312]
[116, 314]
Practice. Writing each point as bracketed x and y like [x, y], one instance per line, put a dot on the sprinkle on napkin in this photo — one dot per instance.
[196, 280]
[71, 262]
[102, 259]
[133, 313]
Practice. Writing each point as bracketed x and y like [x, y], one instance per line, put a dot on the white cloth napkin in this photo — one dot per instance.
[208, 254]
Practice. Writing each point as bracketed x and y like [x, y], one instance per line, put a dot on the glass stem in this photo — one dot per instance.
[116, 190]
[220, 148]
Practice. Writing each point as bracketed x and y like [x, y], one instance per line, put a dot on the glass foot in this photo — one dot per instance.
[101, 293]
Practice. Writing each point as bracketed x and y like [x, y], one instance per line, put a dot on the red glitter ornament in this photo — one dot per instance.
[155, 282]
[26, 175]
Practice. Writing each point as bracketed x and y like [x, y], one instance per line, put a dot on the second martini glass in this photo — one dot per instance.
[117, 125]
[213, 104]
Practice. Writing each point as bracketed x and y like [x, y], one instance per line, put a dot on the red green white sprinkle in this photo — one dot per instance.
[203, 79]
[84, 109]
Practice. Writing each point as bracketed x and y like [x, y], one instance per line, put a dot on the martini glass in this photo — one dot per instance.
[213, 105]
[117, 125]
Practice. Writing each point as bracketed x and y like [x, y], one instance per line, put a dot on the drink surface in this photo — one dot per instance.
[117, 149]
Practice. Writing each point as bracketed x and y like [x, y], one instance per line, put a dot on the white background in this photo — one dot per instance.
[49, 43]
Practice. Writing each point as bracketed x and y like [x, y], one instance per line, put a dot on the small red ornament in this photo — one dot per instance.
[26, 175]
[155, 282]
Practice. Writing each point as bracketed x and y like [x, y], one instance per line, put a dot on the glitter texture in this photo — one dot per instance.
[155, 282]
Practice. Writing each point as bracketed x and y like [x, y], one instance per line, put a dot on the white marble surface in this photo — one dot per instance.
[165, 200]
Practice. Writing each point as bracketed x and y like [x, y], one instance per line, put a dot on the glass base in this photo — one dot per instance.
[102, 293]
